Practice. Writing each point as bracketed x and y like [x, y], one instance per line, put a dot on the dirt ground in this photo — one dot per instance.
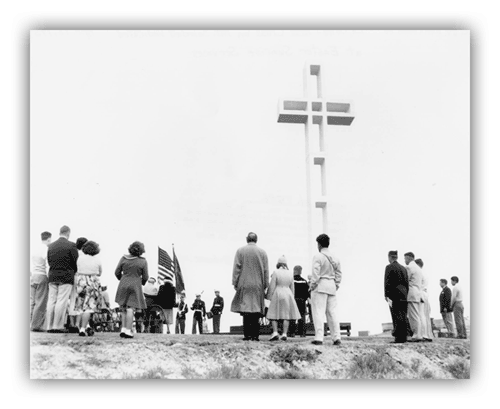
[152, 356]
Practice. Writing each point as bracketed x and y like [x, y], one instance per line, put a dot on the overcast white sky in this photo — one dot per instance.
[172, 137]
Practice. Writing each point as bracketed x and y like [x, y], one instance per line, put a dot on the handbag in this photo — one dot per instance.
[210, 315]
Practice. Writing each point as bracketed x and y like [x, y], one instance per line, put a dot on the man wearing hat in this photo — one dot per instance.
[415, 300]
[199, 313]
[216, 310]
[250, 280]
[301, 295]
[396, 294]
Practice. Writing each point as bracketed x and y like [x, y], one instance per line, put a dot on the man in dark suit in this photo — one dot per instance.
[216, 310]
[445, 306]
[396, 293]
[61, 257]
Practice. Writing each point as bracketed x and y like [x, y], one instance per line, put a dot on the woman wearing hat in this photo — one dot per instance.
[281, 294]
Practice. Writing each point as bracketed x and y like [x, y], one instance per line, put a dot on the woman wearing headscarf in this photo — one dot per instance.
[281, 294]
[132, 271]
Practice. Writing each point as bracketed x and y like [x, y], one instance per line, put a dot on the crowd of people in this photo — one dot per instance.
[405, 290]
[66, 290]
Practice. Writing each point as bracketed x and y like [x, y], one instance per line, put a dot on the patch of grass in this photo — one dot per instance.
[287, 356]
[427, 374]
[153, 373]
[286, 374]
[40, 358]
[72, 365]
[373, 366]
[92, 360]
[459, 368]
[415, 364]
[188, 373]
[226, 372]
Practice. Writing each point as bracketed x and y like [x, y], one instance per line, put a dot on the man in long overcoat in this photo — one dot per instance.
[396, 293]
[250, 280]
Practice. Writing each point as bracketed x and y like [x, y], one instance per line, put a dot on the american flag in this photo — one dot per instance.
[179, 280]
[165, 266]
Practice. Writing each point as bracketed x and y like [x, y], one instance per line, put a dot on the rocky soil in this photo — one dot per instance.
[107, 356]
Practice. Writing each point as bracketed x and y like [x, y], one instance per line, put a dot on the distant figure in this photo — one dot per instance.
[250, 280]
[445, 307]
[427, 334]
[458, 308]
[88, 285]
[39, 285]
[180, 319]
[74, 318]
[301, 295]
[132, 271]
[199, 314]
[216, 310]
[415, 302]
[396, 293]
[150, 291]
[309, 306]
[105, 304]
[62, 257]
[325, 281]
[280, 293]
[166, 300]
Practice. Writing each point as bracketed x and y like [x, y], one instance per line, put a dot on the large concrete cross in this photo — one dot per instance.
[314, 110]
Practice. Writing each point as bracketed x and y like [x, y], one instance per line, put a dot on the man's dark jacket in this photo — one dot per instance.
[445, 300]
[166, 296]
[301, 288]
[61, 256]
[396, 282]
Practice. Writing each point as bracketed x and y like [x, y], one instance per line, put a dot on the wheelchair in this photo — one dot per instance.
[151, 319]
[107, 320]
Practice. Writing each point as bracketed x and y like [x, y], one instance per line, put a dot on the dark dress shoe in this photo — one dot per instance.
[337, 342]
[247, 338]
[255, 339]
[82, 334]
[275, 338]
[398, 341]
[427, 340]
[317, 342]
[127, 335]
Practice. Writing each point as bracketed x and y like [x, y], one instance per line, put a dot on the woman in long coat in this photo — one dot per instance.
[132, 271]
[281, 293]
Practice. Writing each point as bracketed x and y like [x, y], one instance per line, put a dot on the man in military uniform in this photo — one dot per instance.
[199, 313]
[180, 318]
[216, 310]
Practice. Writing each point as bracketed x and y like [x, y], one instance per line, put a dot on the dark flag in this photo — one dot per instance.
[179, 281]
[165, 266]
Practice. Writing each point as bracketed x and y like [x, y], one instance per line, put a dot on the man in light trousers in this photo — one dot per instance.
[39, 291]
[325, 281]
[457, 307]
[415, 300]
